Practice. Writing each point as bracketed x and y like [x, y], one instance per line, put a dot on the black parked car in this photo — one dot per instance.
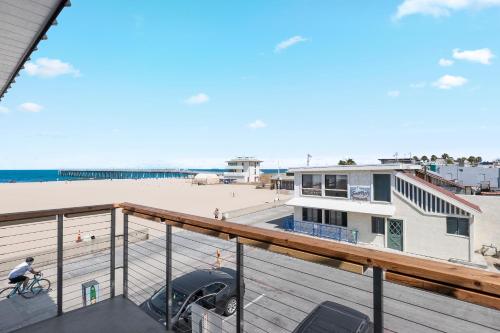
[213, 288]
[330, 317]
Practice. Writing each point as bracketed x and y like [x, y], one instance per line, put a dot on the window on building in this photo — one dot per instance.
[336, 186]
[457, 226]
[378, 225]
[336, 218]
[382, 187]
[311, 184]
[312, 215]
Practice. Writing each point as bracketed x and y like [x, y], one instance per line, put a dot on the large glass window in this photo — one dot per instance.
[378, 225]
[336, 218]
[336, 186]
[382, 188]
[457, 226]
[311, 184]
[312, 215]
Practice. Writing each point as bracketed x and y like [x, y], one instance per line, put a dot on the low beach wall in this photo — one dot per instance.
[48, 257]
[253, 209]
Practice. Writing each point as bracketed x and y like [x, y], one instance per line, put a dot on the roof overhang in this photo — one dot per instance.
[351, 168]
[23, 24]
[343, 205]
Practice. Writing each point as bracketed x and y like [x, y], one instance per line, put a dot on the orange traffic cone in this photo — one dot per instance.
[78, 237]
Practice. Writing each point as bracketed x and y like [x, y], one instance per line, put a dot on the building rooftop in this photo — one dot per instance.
[244, 159]
[363, 167]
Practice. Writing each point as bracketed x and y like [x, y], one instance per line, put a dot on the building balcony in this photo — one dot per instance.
[329, 231]
[234, 167]
[276, 281]
[235, 175]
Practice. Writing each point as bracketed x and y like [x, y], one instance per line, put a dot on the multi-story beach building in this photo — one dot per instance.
[243, 170]
[388, 206]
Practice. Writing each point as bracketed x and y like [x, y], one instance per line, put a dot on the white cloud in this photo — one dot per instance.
[393, 93]
[31, 107]
[450, 81]
[3, 109]
[445, 62]
[200, 98]
[439, 8]
[289, 42]
[482, 56]
[47, 68]
[417, 85]
[257, 124]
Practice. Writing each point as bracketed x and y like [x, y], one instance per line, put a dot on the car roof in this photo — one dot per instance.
[192, 281]
[330, 317]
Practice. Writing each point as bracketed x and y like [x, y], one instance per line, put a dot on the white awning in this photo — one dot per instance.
[23, 23]
[344, 205]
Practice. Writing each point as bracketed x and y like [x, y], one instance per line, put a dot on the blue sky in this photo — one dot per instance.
[194, 83]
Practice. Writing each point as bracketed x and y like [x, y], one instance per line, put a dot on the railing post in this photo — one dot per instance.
[378, 298]
[125, 255]
[168, 278]
[60, 240]
[239, 288]
[112, 254]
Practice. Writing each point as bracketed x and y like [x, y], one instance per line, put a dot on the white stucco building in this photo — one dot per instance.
[243, 170]
[390, 207]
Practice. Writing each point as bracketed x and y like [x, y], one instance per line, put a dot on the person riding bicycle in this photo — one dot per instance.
[17, 274]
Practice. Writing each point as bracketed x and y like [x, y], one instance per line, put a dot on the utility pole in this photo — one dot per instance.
[308, 159]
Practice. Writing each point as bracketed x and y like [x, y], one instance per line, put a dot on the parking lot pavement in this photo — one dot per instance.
[280, 291]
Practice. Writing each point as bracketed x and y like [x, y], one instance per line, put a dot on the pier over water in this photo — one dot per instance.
[126, 173]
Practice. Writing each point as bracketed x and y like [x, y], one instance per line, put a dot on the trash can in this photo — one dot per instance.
[90, 292]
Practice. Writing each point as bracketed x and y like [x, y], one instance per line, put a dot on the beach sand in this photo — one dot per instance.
[172, 194]
[39, 238]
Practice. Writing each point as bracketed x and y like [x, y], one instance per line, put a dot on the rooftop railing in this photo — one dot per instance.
[279, 277]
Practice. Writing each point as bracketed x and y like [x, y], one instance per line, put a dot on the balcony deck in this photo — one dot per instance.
[112, 315]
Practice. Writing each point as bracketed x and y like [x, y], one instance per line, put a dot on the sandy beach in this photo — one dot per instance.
[39, 238]
[172, 194]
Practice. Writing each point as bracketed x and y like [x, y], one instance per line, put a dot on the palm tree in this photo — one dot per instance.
[424, 158]
[445, 156]
[434, 158]
[348, 161]
[479, 159]
[471, 159]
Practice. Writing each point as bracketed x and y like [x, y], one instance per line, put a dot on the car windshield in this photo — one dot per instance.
[158, 301]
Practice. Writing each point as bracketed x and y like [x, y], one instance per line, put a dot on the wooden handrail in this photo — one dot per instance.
[441, 272]
[10, 217]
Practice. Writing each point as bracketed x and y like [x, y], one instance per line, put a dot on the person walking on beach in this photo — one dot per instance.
[216, 213]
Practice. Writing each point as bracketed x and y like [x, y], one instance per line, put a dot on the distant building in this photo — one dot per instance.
[483, 176]
[243, 170]
[283, 181]
[404, 160]
[389, 206]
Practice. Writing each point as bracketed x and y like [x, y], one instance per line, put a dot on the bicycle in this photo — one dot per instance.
[35, 286]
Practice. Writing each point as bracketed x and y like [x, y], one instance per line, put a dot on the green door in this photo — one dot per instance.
[395, 234]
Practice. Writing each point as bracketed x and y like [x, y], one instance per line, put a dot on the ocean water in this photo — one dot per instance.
[27, 176]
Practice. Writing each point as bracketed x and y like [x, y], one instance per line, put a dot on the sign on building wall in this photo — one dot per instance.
[360, 193]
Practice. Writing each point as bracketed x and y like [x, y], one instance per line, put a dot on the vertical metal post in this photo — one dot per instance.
[60, 240]
[168, 278]
[240, 289]
[112, 253]
[378, 297]
[125, 255]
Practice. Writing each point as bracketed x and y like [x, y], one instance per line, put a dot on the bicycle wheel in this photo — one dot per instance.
[38, 287]
[4, 293]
